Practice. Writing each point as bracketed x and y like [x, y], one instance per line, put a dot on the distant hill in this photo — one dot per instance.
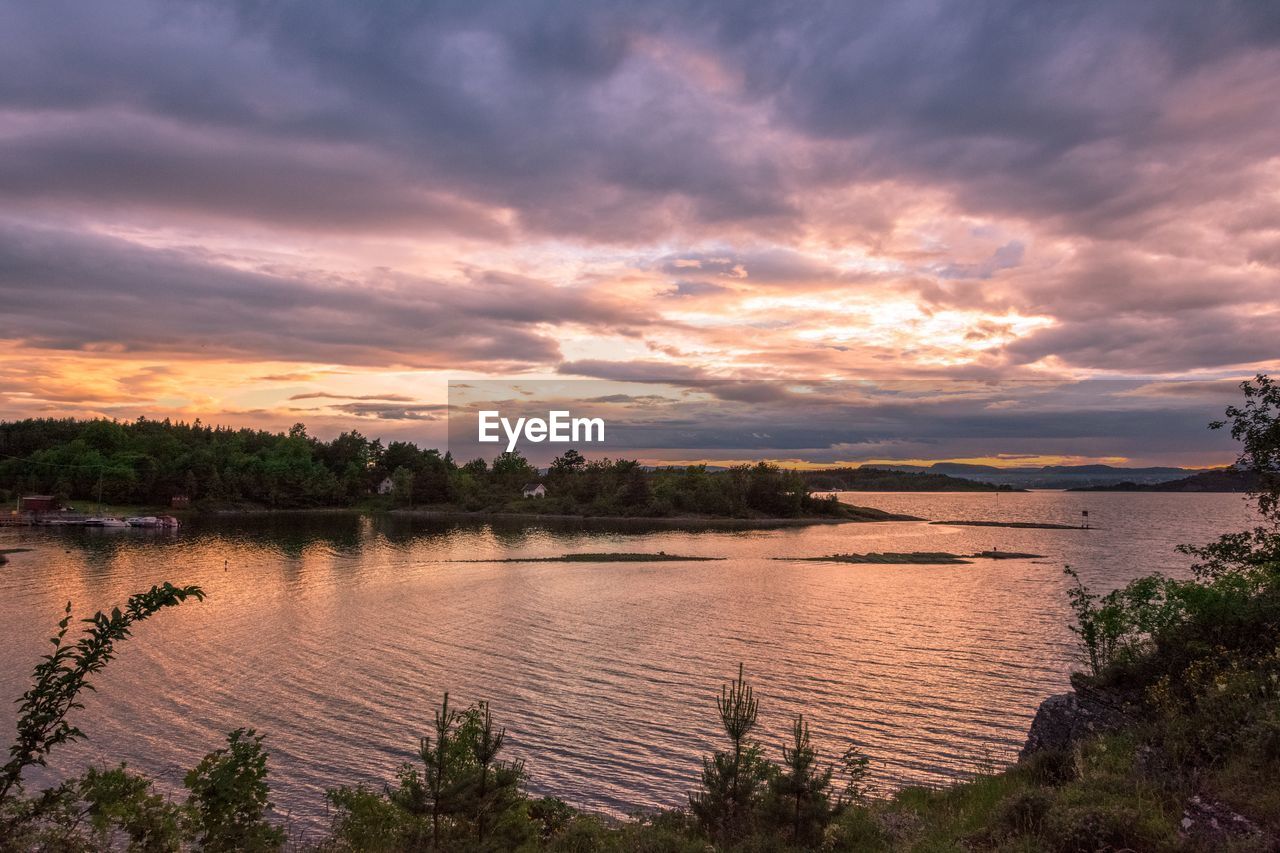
[1050, 476]
[1214, 480]
[885, 480]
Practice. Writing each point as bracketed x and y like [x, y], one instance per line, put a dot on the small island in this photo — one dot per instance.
[913, 558]
[607, 557]
[1036, 525]
[5, 552]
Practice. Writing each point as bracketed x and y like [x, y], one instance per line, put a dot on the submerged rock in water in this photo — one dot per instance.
[1063, 719]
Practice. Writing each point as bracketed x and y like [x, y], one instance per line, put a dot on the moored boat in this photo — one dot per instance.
[105, 521]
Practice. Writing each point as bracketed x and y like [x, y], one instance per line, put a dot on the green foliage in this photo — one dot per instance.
[1170, 622]
[229, 797]
[112, 800]
[402, 486]
[1110, 806]
[855, 769]
[1256, 425]
[119, 802]
[733, 779]
[1022, 813]
[444, 763]
[371, 822]
[799, 790]
[62, 674]
[857, 829]
[1197, 663]
[148, 462]
[1108, 626]
[461, 797]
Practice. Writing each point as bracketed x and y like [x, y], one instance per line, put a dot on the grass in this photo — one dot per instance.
[1107, 804]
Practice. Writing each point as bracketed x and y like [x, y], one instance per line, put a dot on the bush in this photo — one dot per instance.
[1110, 825]
[857, 830]
[229, 797]
[1023, 813]
[118, 801]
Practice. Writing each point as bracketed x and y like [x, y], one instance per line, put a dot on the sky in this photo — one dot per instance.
[324, 211]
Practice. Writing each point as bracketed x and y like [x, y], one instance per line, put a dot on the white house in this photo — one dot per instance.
[535, 490]
[386, 487]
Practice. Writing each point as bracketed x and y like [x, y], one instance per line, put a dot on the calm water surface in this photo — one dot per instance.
[336, 635]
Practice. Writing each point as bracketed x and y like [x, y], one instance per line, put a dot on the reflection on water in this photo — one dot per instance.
[335, 634]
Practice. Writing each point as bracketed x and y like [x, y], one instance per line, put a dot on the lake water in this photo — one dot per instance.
[336, 635]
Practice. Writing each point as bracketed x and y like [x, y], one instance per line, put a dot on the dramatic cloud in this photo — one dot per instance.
[242, 207]
[840, 423]
[91, 293]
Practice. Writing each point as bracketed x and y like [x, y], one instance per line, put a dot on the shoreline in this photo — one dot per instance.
[673, 521]
[870, 516]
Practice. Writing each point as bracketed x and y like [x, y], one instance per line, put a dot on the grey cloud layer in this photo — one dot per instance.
[81, 292]
[551, 109]
[1140, 132]
[840, 421]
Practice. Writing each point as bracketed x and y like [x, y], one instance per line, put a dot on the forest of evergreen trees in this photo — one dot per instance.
[147, 462]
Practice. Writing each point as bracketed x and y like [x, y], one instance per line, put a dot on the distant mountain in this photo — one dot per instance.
[1214, 480]
[1050, 476]
[868, 479]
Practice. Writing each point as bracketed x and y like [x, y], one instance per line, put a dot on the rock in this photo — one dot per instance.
[1063, 719]
[1210, 821]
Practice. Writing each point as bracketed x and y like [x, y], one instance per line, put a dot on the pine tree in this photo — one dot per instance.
[438, 762]
[732, 779]
[484, 744]
[800, 789]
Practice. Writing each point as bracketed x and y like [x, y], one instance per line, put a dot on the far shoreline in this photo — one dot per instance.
[481, 515]
[669, 520]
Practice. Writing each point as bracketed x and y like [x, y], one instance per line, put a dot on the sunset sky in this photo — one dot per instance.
[322, 212]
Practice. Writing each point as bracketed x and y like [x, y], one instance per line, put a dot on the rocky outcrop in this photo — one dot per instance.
[1063, 719]
[1211, 822]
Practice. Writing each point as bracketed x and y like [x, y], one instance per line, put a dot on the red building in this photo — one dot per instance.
[37, 503]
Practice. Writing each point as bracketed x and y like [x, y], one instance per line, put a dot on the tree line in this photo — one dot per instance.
[147, 462]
